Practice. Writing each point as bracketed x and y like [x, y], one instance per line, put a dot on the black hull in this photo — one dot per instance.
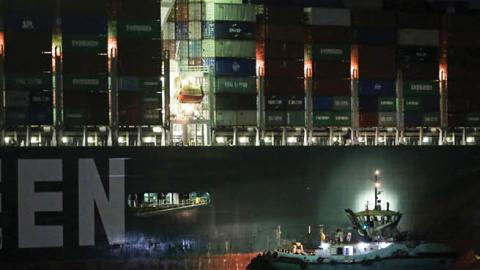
[253, 190]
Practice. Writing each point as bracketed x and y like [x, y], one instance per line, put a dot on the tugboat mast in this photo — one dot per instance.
[377, 185]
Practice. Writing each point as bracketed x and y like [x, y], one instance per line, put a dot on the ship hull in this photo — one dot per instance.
[253, 191]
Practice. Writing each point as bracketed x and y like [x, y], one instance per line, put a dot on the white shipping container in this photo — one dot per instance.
[329, 16]
[230, 12]
[168, 31]
[418, 37]
[225, 118]
[246, 118]
[228, 48]
[387, 119]
[363, 4]
[195, 11]
[195, 30]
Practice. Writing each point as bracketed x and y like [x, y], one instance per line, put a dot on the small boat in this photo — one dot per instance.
[380, 247]
[190, 94]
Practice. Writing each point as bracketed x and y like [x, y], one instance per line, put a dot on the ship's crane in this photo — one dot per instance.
[166, 7]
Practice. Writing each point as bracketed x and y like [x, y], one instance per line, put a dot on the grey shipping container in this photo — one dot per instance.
[229, 12]
[329, 16]
[418, 37]
[228, 48]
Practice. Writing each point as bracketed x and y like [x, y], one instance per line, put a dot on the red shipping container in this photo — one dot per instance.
[171, 47]
[281, 32]
[284, 68]
[181, 12]
[283, 86]
[331, 88]
[329, 34]
[280, 49]
[331, 70]
[368, 119]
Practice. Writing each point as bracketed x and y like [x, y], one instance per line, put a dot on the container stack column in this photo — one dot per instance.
[418, 56]
[85, 64]
[28, 64]
[139, 64]
[377, 70]
[280, 53]
[228, 49]
[331, 36]
[463, 53]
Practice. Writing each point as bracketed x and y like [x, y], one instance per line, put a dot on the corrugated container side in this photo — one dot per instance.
[275, 103]
[418, 37]
[85, 82]
[368, 119]
[421, 72]
[331, 70]
[28, 81]
[275, 118]
[17, 99]
[463, 56]
[235, 85]
[229, 12]
[246, 118]
[235, 102]
[81, 63]
[29, 23]
[421, 88]
[330, 34]
[363, 4]
[387, 104]
[343, 104]
[25, 44]
[376, 88]
[149, 9]
[168, 31]
[88, 25]
[368, 104]
[332, 119]
[387, 119]
[229, 48]
[413, 54]
[281, 32]
[296, 118]
[280, 49]
[295, 103]
[228, 30]
[463, 22]
[181, 11]
[374, 35]
[87, 44]
[139, 29]
[181, 30]
[284, 86]
[195, 11]
[329, 16]
[232, 66]
[418, 20]
[28, 63]
[151, 117]
[413, 104]
[284, 14]
[464, 39]
[374, 18]
[195, 49]
[284, 68]
[322, 103]
[195, 30]
[332, 87]
[331, 52]
[416, 119]
[138, 65]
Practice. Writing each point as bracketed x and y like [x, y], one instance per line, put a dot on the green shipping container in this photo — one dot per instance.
[431, 119]
[421, 88]
[332, 119]
[331, 52]
[342, 104]
[85, 82]
[228, 48]
[92, 43]
[29, 81]
[413, 104]
[238, 85]
[146, 29]
[230, 12]
[473, 119]
[150, 84]
[387, 104]
[296, 119]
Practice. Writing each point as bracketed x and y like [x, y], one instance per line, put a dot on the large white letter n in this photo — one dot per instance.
[111, 209]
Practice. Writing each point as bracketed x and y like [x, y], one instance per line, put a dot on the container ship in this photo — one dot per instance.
[98, 95]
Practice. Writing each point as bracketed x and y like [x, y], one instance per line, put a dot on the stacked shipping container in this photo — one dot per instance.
[28, 62]
[228, 48]
[330, 35]
[418, 59]
[139, 67]
[280, 57]
[463, 41]
[85, 63]
[374, 36]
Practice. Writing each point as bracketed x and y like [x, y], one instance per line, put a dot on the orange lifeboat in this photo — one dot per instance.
[190, 94]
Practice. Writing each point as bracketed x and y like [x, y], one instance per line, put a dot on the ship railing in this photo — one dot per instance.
[162, 204]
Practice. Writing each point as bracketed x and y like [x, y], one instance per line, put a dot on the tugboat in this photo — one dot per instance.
[381, 247]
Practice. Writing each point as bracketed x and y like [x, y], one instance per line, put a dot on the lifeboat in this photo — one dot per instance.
[190, 94]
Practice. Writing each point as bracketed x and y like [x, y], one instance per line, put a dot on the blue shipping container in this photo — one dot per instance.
[384, 88]
[322, 104]
[128, 84]
[232, 66]
[228, 30]
[431, 104]
[22, 23]
[375, 35]
[181, 30]
[413, 119]
[75, 25]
